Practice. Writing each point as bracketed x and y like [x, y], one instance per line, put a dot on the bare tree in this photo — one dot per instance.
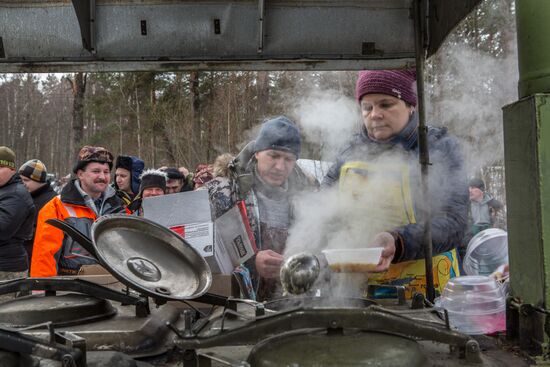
[196, 115]
[78, 86]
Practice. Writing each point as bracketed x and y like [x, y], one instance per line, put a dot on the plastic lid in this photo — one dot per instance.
[473, 295]
[486, 251]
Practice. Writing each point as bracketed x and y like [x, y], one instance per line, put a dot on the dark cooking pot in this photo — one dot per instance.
[282, 304]
[150, 258]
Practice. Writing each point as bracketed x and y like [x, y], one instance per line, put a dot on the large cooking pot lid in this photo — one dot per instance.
[150, 258]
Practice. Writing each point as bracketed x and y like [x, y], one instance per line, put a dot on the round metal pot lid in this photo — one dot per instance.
[150, 258]
[61, 310]
[321, 349]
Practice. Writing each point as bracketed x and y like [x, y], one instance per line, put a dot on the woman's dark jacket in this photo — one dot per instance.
[16, 224]
[40, 197]
[447, 184]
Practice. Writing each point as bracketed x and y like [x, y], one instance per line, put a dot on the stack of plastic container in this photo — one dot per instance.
[475, 304]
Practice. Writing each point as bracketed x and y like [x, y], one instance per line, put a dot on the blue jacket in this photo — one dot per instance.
[137, 168]
[446, 179]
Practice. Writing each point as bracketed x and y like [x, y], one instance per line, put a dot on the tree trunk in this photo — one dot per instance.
[78, 84]
[196, 140]
[138, 119]
[120, 130]
[263, 93]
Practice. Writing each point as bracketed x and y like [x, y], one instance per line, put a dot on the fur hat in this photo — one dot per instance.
[173, 173]
[221, 165]
[89, 154]
[124, 161]
[34, 170]
[397, 83]
[7, 157]
[279, 133]
[153, 178]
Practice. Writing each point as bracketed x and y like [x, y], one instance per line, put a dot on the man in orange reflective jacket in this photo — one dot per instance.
[80, 203]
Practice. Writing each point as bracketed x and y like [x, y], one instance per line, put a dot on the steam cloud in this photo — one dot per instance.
[470, 89]
[467, 96]
[327, 118]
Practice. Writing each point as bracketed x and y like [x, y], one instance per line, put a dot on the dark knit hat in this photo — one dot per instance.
[124, 161]
[279, 133]
[153, 178]
[173, 173]
[34, 170]
[397, 83]
[89, 154]
[477, 182]
[7, 157]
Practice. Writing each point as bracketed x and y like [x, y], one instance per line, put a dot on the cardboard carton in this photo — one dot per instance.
[99, 275]
[224, 243]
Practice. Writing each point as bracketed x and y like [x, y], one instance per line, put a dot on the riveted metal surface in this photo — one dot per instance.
[35, 33]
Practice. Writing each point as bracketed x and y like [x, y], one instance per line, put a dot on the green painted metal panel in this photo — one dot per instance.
[542, 107]
[533, 29]
[527, 159]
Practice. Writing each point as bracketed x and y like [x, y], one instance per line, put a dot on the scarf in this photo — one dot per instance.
[407, 138]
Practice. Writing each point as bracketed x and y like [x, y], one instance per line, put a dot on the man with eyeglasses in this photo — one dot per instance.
[83, 200]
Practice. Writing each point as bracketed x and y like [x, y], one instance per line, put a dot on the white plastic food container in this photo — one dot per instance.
[353, 260]
[475, 304]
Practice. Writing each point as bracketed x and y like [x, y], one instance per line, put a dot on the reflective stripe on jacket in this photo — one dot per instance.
[51, 244]
[55, 253]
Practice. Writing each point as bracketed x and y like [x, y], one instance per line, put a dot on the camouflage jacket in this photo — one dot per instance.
[225, 192]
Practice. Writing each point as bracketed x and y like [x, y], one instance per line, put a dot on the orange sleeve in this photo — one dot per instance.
[47, 241]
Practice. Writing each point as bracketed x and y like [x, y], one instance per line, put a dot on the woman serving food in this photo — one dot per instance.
[379, 169]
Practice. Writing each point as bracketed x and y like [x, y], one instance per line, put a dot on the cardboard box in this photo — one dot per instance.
[99, 275]
[186, 213]
[224, 244]
[223, 285]
[93, 270]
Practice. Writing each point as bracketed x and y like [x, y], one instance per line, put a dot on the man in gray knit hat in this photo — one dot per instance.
[265, 176]
[16, 220]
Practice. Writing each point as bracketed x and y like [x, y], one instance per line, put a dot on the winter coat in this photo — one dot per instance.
[447, 183]
[137, 168]
[40, 197]
[55, 253]
[487, 213]
[225, 192]
[16, 224]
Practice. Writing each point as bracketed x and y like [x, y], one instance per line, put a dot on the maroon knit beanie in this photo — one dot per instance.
[397, 83]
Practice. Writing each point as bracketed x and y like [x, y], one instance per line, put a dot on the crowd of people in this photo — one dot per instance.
[265, 176]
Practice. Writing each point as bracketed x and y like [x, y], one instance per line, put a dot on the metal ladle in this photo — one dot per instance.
[299, 272]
